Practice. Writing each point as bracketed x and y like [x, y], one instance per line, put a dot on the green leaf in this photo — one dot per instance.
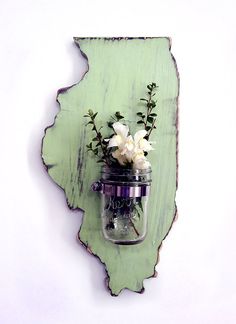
[90, 122]
[90, 112]
[118, 115]
[137, 212]
[153, 115]
[139, 114]
[95, 139]
[143, 99]
[95, 151]
[109, 124]
[140, 122]
[150, 119]
[147, 128]
[140, 205]
[93, 117]
[113, 149]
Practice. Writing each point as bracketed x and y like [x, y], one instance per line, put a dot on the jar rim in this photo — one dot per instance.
[106, 169]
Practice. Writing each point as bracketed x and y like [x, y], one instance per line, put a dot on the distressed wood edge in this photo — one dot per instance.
[61, 91]
[77, 39]
[47, 167]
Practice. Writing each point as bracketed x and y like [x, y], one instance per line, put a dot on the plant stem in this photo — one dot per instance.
[148, 108]
[132, 224]
[150, 104]
[101, 144]
[151, 129]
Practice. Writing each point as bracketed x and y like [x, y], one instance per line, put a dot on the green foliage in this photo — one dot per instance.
[99, 146]
[115, 118]
[149, 119]
[100, 150]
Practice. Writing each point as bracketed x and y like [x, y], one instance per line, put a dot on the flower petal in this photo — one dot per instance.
[121, 158]
[139, 134]
[141, 163]
[121, 129]
[116, 140]
[129, 156]
[138, 156]
[145, 145]
[129, 143]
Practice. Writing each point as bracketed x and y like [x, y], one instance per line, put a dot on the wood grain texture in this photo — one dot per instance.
[118, 72]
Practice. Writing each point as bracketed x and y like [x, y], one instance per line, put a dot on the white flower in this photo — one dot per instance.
[121, 158]
[130, 149]
[140, 142]
[140, 161]
[124, 143]
[141, 164]
[122, 132]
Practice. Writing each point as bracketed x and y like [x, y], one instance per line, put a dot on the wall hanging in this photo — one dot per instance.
[113, 150]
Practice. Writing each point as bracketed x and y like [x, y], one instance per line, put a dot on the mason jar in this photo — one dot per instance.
[124, 198]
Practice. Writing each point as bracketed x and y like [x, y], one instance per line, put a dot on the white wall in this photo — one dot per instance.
[45, 275]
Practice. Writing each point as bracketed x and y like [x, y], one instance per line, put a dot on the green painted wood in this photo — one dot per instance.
[119, 70]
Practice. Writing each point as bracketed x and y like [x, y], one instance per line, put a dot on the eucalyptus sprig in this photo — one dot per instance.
[149, 119]
[100, 150]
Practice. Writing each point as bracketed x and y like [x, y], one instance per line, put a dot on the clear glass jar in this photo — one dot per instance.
[124, 204]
